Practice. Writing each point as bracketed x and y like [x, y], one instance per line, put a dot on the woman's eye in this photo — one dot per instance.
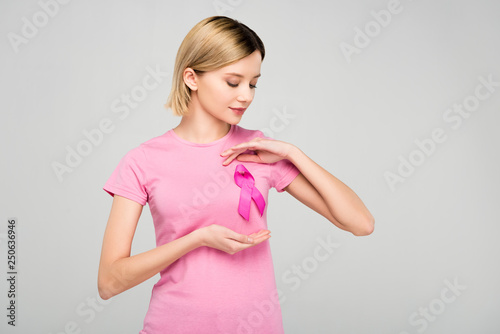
[236, 85]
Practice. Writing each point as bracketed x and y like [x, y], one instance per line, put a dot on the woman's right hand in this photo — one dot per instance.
[229, 241]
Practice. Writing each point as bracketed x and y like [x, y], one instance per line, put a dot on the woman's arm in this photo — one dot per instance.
[327, 195]
[314, 186]
[118, 271]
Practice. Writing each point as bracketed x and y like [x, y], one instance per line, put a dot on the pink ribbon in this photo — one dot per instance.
[248, 191]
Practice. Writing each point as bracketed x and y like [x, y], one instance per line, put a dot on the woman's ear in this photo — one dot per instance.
[190, 78]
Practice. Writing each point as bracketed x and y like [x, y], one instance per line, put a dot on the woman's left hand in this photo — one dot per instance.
[266, 151]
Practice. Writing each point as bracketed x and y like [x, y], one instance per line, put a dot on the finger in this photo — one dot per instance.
[231, 150]
[231, 158]
[256, 241]
[251, 145]
[252, 238]
[245, 239]
[248, 157]
[260, 236]
[259, 233]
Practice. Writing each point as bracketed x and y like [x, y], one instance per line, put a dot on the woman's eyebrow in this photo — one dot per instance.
[241, 76]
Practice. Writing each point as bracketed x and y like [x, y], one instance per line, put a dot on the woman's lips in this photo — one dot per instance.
[238, 111]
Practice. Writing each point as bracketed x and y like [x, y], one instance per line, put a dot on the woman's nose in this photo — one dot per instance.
[245, 95]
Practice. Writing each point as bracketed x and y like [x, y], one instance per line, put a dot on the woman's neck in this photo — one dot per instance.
[201, 128]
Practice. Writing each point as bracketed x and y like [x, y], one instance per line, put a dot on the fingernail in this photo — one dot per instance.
[250, 240]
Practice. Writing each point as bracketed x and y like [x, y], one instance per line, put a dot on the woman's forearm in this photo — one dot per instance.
[128, 272]
[343, 203]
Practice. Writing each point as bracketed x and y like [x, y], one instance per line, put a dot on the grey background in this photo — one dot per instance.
[353, 118]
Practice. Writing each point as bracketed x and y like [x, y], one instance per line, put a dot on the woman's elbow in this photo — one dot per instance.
[365, 226]
[105, 287]
[104, 293]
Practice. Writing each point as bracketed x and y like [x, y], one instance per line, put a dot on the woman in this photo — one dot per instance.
[206, 182]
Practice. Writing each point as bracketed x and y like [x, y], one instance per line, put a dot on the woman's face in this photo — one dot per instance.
[226, 93]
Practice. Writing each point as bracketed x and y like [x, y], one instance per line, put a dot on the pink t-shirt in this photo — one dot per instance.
[187, 187]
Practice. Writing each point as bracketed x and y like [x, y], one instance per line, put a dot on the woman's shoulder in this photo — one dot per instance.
[143, 148]
[159, 142]
[248, 133]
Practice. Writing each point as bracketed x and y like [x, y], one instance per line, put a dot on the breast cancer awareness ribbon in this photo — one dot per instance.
[248, 192]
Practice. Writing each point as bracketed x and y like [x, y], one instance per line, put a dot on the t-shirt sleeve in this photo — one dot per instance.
[128, 179]
[283, 172]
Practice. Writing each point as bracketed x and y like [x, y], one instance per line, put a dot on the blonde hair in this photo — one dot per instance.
[213, 43]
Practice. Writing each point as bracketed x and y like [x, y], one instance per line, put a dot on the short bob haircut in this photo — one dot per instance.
[211, 44]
